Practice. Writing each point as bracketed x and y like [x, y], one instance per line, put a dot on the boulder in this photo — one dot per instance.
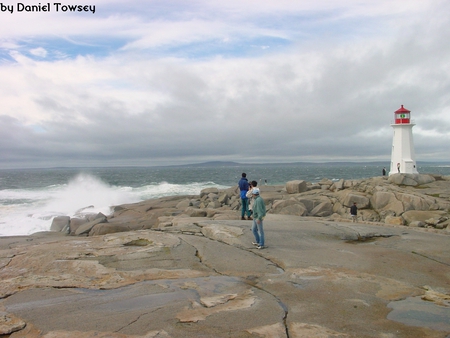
[106, 228]
[228, 215]
[196, 212]
[295, 187]
[422, 215]
[309, 203]
[86, 228]
[183, 204]
[289, 207]
[369, 215]
[75, 223]
[347, 198]
[195, 203]
[322, 210]
[223, 198]
[417, 224]
[339, 184]
[326, 181]
[61, 223]
[410, 179]
[384, 200]
[412, 202]
[208, 191]
[212, 197]
[395, 220]
[214, 204]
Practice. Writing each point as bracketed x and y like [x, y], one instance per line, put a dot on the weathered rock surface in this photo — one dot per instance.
[184, 266]
[202, 277]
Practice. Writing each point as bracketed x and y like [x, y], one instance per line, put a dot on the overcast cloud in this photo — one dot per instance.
[147, 82]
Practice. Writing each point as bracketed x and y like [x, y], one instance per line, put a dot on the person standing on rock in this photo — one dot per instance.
[259, 212]
[249, 195]
[354, 212]
[384, 171]
[243, 188]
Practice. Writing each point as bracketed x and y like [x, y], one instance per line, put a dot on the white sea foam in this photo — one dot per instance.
[23, 212]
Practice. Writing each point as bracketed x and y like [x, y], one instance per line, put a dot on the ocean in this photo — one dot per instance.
[31, 198]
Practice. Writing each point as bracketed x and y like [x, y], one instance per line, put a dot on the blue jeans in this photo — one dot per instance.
[245, 203]
[258, 231]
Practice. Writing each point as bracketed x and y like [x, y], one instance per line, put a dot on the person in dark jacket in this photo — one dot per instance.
[354, 212]
[243, 188]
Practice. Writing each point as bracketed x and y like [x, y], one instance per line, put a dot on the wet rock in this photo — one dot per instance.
[87, 227]
[61, 223]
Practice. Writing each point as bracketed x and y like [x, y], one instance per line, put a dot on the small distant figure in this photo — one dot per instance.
[384, 171]
[354, 212]
[259, 212]
[265, 182]
[398, 167]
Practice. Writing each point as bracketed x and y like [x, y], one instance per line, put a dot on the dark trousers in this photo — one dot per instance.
[245, 202]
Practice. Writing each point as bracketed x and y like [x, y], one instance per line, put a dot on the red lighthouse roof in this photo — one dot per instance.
[402, 116]
[402, 110]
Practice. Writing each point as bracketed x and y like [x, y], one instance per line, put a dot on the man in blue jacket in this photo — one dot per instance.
[243, 188]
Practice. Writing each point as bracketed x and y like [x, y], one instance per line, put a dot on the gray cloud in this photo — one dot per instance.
[325, 99]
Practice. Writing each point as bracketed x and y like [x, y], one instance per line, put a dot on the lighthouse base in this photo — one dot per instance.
[405, 167]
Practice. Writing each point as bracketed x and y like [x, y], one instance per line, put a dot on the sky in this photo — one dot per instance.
[163, 82]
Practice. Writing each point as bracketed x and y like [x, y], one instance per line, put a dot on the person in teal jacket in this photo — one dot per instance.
[259, 212]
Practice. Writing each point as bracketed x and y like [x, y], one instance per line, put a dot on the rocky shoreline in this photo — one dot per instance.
[184, 266]
[402, 199]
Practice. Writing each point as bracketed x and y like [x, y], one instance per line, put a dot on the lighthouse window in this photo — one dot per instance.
[403, 116]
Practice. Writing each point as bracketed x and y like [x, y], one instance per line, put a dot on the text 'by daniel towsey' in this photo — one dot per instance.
[47, 7]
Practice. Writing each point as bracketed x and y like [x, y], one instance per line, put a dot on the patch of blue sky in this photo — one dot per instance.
[5, 56]
[58, 48]
[233, 47]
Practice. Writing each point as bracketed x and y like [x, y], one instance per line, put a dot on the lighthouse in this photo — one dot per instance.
[403, 158]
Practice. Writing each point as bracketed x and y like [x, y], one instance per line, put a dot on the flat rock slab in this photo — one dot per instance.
[180, 308]
[316, 278]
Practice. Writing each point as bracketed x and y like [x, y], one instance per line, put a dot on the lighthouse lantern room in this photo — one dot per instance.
[403, 158]
[402, 115]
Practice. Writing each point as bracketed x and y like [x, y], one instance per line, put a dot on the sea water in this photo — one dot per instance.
[31, 198]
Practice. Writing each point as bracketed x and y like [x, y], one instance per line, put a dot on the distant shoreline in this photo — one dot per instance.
[219, 164]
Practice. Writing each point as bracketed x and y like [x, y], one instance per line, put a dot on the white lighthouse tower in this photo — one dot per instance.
[403, 158]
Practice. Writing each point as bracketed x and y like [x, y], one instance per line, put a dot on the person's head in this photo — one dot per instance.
[255, 192]
[354, 203]
[254, 183]
[244, 175]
